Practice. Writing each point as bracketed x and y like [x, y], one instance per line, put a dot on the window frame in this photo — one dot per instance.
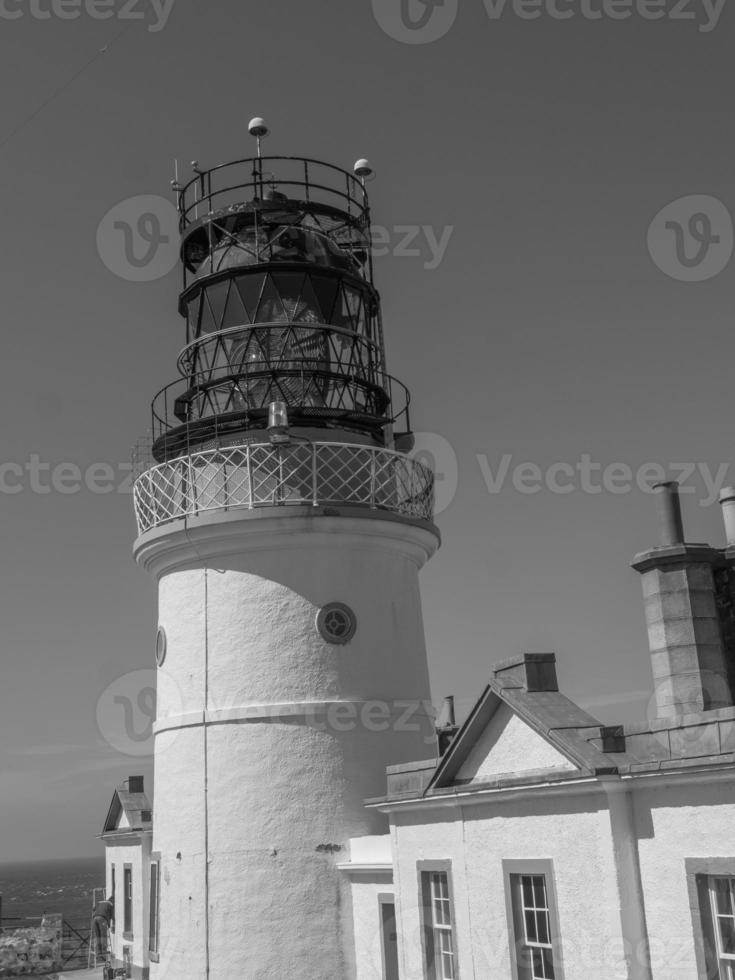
[128, 901]
[387, 898]
[154, 910]
[517, 928]
[699, 873]
[113, 895]
[429, 949]
[716, 915]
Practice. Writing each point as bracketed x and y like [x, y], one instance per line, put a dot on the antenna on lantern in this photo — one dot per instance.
[363, 171]
[259, 130]
[175, 185]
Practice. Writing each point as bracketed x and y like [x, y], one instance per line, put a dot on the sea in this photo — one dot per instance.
[31, 889]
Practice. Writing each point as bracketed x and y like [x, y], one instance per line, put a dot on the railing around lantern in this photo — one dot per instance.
[311, 181]
[257, 475]
[221, 400]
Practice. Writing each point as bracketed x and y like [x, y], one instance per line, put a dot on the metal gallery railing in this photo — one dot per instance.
[298, 473]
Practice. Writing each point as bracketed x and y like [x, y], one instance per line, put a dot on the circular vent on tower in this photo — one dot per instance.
[336, 623]
[161, 643]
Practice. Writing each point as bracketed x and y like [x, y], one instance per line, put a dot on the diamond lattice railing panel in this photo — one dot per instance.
[264, 475]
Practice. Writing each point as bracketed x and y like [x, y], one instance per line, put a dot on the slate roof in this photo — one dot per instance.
[136, 807]
[528, 686]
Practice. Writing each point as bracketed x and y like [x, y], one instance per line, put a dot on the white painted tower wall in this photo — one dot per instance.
[268, 739]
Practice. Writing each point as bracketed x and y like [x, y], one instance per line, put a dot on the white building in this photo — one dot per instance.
[545, 845]
[131, 873]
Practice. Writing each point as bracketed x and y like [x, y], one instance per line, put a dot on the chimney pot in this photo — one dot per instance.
[671, 527]
[446, 726]
[136, 784]
[727, 501]
[446, 715]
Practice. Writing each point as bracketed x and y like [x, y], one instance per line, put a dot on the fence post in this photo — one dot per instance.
[314, 476]
[373, 504]
[191, 489]
[251, 489]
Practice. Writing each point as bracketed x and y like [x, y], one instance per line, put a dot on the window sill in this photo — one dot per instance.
[154, 957]
[128, 936]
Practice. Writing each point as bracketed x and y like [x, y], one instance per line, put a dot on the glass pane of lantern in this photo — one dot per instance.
[325, 290]
[235, 313]
[207, 324]
[217, 296]
[289, 286]
[354, 302]
[309, 310]
[250, 288]
[192, 315]
[271, 308]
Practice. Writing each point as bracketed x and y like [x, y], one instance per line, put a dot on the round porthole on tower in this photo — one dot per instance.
[336, 623]
[161, 644]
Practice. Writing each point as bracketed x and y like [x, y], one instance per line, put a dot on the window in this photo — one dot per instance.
[112, 895]
[439, 951]
[388, 936]
[536, 951]
[128, 900]
[722, 905]
[154, 911]
[535, 932]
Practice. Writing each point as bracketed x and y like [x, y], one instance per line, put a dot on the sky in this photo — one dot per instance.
[559, 327]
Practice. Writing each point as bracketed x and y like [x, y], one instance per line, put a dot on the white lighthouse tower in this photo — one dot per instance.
[286, 534]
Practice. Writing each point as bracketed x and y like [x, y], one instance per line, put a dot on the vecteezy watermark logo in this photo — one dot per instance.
[424, 21]
[706, 13]
[128, 708]
[692, 239]
[94, 9]
[412, 242]
[126, 711]
[37, 476]
[415, 21]
[436, 453]
[138, 239]
[585, 475]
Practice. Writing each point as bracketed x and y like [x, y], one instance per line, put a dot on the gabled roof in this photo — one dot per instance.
[129, 812]
[524, 734]
[527, 686]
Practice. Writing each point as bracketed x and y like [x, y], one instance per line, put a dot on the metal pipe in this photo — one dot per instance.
[671, 527]
[727, 502]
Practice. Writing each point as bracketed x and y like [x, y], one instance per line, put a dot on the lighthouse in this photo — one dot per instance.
[285, 525]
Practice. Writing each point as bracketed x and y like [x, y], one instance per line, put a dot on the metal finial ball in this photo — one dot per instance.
[257, 127]
[194, 164]
[363, 169]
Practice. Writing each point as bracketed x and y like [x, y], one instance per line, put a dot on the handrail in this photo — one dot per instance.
[255, 475]
[385, 399]
[200, 187]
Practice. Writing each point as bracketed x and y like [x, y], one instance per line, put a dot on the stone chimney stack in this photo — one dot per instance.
[688, 658]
